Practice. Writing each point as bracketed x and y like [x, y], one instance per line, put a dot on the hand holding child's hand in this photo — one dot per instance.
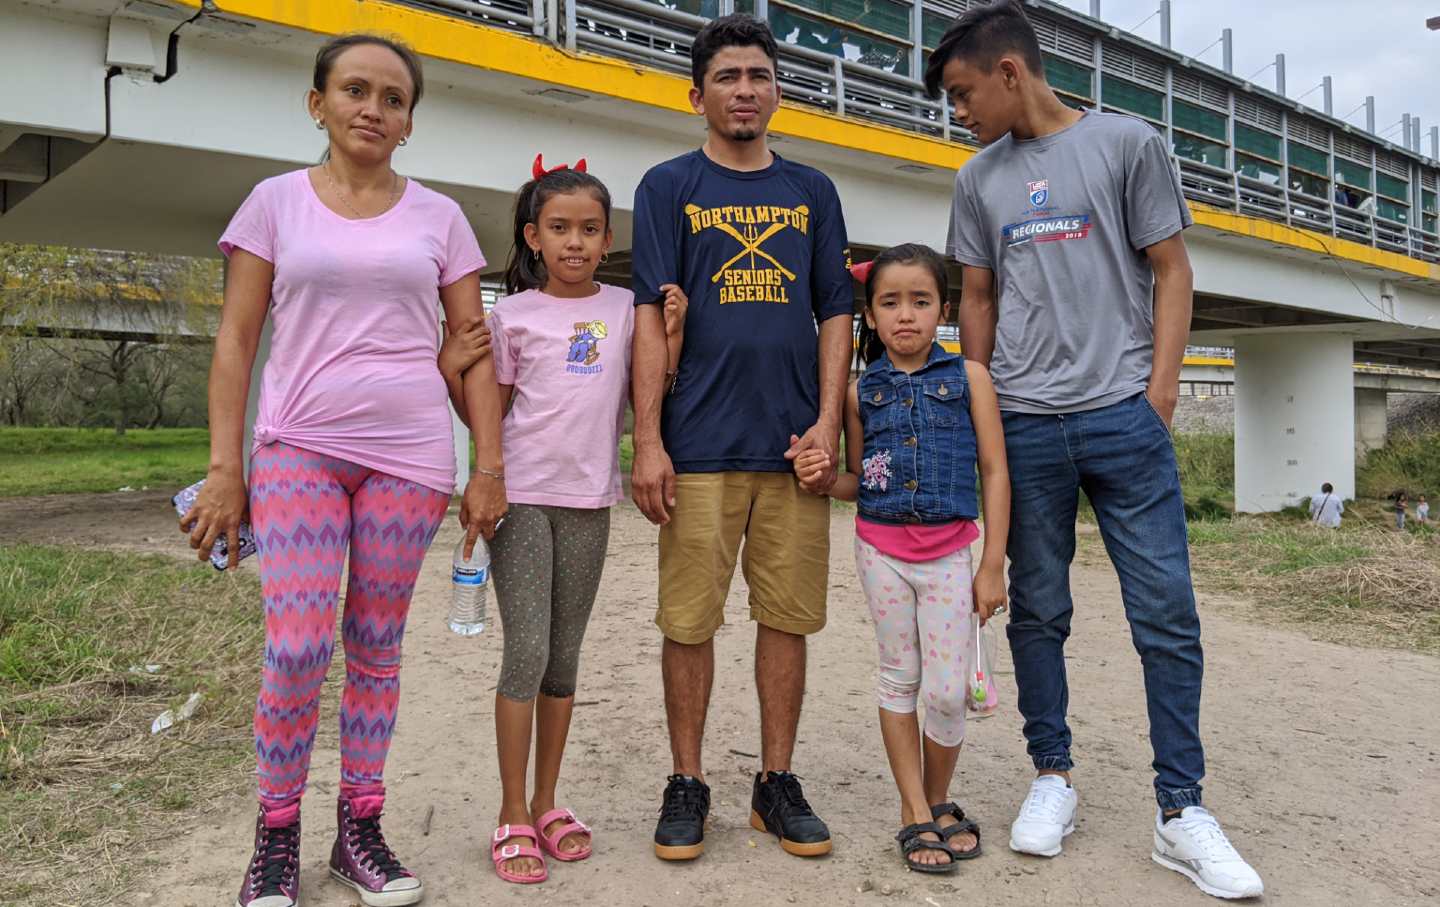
[464, 346]
[811, 468]
[989, 592]
[676, 305]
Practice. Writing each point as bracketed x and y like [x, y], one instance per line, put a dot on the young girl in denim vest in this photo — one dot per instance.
[918, 422]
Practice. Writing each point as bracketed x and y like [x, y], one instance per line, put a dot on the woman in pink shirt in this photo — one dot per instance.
[352, 445]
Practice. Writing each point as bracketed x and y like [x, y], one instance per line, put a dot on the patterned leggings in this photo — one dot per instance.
[547, 563]
[922, 614]
[306, 508]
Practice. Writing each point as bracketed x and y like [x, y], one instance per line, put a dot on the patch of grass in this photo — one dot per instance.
[627, 454]
[70, 460]
[1409, 461]
[84, 786]
[1363, 583]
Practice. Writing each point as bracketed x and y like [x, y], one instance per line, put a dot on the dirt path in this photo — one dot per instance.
[1323, 759]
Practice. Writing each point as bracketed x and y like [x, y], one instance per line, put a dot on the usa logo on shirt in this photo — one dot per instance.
[1039, 193]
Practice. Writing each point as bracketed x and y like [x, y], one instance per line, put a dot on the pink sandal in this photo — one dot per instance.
[500, 852]
[551, 842]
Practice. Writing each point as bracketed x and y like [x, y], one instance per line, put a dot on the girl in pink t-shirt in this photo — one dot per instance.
[352, 446]
[561, 346]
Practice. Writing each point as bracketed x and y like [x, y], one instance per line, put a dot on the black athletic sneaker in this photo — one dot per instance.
[778, 806]
[680, 833]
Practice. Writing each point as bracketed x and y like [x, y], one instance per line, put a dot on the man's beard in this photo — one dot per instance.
[744, 134]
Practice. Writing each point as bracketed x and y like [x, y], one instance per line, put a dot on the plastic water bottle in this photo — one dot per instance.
[470, 581]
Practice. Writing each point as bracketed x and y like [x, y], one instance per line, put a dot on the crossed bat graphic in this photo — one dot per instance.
[747, 246]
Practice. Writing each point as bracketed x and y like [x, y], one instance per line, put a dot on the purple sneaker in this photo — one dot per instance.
[362, 860]
[273, 879]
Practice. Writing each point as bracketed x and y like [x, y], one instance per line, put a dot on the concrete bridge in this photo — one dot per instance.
[145, 122]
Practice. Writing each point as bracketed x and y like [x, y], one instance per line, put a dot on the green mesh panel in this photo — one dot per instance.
[933, 28]
[1197, 149]
[1307, 158]
[1131, 97]
[1257, 142]
[1392, 210]
[1309, 183]
[1389, 185]
[1069, 77]
[1352, 174]
[879, 15]
[1198, 120]
[1257, 169]
[800, 29]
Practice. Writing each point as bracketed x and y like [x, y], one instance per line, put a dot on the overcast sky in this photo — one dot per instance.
[1378, 47]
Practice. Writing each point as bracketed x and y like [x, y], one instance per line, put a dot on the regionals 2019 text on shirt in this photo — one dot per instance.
[1063, 221]
[354, 310]
[761, 256]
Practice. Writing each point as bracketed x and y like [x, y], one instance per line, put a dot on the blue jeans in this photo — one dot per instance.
[1123, 458]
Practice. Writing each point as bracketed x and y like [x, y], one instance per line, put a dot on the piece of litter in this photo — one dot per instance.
[751, 842]
[144, 669]
[169, 717]
[864, 886]
[115, 788]
[425, 826]
[124, 488]
[744, 754]
[932, 902]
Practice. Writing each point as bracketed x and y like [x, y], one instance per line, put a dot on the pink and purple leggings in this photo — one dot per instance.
[307, 508]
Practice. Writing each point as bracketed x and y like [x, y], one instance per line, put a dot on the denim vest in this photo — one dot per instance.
[920, 451]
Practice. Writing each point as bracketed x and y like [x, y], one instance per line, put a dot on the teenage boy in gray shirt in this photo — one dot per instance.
[1077, 295]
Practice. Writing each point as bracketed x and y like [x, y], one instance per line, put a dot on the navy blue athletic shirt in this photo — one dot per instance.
[761, 256]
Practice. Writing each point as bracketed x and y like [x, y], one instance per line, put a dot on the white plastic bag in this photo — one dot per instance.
[981, 697]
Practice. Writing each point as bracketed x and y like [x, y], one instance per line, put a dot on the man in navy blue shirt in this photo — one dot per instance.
[758, 245]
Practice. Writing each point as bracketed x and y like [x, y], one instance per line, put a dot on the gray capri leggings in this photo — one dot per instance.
[547, 563]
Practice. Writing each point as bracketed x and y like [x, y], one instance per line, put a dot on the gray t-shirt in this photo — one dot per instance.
[1063, 220]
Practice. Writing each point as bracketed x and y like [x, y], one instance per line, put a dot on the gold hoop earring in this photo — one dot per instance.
[404, 140]
[604, 258]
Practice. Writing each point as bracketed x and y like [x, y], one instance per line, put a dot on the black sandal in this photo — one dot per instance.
[961, 826]
[910, 841]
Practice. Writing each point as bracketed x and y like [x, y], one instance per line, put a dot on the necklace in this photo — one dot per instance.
[394, 192]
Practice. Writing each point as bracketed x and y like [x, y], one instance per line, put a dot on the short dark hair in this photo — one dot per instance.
[868, 346]
[734, 30]
[1327, 488]
[331, 50]
[983, 35]
[526, 270]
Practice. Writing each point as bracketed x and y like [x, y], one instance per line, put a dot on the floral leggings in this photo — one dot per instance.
[922, 614]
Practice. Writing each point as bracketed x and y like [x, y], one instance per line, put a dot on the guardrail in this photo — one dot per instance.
[655, 35]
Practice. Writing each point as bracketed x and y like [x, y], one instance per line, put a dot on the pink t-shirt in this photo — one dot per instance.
[569, 361]
[919, 542]
[354, 306]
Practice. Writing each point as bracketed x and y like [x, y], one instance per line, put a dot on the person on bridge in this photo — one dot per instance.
[757, 243]
[1077, 296]
[352, 447]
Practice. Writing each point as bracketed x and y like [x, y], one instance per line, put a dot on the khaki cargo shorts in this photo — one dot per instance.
[786, 558]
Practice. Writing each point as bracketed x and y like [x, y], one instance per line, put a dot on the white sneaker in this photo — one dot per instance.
[1193, 845]
[1046, 817]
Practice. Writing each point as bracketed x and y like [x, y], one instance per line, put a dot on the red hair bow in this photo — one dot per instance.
[861, 272]
[538, 170]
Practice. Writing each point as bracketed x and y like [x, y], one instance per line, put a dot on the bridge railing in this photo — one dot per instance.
[658, 35]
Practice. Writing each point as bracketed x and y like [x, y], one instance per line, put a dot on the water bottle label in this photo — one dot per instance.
[466, 577]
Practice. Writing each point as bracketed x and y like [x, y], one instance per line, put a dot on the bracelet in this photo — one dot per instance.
[485, 472]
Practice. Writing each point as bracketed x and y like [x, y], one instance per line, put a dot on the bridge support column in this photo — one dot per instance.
[1294, 418]
[1372, 426]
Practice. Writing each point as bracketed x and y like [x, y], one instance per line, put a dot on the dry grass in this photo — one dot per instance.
[85, 789]
[1364, 584]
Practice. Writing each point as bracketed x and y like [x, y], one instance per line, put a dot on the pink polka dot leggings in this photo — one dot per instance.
[307, 509]
[922, 613]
